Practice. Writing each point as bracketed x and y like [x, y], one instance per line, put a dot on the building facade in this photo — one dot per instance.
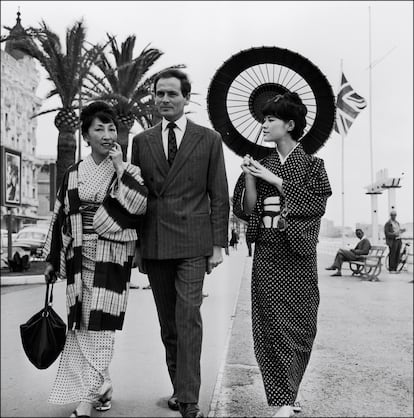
[19, 81]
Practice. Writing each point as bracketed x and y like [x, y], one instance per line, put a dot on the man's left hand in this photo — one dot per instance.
[215, 259]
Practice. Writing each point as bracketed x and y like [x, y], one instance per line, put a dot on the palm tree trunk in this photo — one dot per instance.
[66, 151]
[123, 139]
[67, 122]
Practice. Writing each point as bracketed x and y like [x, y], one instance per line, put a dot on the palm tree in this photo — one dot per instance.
[67, 71]
[123, 85]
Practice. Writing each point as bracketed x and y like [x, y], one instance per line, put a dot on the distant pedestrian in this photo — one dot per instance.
[91, 246]
[343, 254]
[184, 229]
[234, 239]
[249, 248]
[283, 198]
[392, 232]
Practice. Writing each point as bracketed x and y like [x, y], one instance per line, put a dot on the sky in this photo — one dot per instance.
[203, 35]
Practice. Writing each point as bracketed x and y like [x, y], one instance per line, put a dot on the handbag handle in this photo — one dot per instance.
[48, 299]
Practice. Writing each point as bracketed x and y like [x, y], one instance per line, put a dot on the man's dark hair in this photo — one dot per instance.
[359, 229]
[175, 73]
[100, 110]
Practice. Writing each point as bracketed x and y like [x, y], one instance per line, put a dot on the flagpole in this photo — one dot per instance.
[342, 171]
[370, 97]
[374, 204]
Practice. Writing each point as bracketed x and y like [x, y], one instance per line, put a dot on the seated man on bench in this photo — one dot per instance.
[362, 248]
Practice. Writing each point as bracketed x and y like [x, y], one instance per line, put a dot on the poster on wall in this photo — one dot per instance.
[11, 177]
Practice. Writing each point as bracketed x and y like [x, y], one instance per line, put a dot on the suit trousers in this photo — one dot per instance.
[394, 256]
[177, 286]
[343, 255]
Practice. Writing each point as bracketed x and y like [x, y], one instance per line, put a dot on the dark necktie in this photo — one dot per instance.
[172, 142]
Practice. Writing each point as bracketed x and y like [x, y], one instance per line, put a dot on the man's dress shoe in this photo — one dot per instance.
[173, 403]
[337, 274]
[330, 268]
[190, 410]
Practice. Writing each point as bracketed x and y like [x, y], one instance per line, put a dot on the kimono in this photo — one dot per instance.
[91, 244]
[285, 294]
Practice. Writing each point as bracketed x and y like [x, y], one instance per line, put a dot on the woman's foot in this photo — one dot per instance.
[297, 407]
[83, 410]
[284, 411]
[104, 402]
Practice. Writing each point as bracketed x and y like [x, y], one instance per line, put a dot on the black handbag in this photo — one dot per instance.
[44, 334]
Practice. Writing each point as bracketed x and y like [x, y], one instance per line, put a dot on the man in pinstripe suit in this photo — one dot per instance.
[184, 229]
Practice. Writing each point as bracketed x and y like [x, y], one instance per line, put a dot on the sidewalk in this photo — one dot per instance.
[362, 362]
[138, 370]
[361, 365]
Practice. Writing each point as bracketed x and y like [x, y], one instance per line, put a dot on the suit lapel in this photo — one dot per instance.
[154, 141]
[192, 136]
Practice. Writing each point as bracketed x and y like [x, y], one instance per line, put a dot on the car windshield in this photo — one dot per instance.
[38, 236]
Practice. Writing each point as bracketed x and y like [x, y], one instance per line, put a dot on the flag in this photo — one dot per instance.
[348, 106]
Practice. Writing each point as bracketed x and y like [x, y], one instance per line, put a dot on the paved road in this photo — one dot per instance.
[362, 361]
[141, 382]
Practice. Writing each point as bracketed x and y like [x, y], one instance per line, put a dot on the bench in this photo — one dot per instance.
[369, 266]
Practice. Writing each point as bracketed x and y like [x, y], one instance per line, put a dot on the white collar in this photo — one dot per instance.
[283, 159]
[181, 123]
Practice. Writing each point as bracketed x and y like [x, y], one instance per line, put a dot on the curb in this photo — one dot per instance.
[18, 280]
[218, 386]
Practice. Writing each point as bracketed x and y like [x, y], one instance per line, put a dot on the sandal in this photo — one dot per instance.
[104, 402]
[76, 415]
[103, 405]
[296, 407]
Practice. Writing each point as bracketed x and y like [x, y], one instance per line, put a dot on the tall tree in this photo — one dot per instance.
[67, 70]
[123, 84]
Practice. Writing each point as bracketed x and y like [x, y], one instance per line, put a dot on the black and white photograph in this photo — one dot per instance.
[207, 208]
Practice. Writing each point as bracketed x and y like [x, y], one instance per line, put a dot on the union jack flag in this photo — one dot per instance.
[348, 106]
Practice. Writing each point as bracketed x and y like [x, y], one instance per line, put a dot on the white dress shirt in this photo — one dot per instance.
[179, 132]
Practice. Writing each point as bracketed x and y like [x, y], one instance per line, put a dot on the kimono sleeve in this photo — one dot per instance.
[53, 244]
[308, 200]
[238, 196]
[130, 191]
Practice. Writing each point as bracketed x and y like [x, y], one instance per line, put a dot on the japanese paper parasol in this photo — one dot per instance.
[248, 79]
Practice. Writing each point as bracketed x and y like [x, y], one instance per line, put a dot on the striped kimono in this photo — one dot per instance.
[91, 244]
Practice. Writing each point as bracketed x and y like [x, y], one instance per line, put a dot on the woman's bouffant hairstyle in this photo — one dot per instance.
[101, 110]
[288, 106]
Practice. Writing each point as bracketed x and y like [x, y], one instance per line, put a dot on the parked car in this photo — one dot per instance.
[22, 250]
[32, 238]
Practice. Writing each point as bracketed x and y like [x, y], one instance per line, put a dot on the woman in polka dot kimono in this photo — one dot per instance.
[283, 198]
[91, 244]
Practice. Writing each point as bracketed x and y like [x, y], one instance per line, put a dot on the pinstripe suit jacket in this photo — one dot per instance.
[188, 203]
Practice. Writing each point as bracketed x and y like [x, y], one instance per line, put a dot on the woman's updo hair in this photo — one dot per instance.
[288, 106]
[101, 110]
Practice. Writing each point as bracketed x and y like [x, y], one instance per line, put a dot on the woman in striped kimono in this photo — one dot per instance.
[283, 199]
[91, 243]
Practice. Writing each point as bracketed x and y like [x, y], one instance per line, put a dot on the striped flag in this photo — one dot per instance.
[348, 106]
